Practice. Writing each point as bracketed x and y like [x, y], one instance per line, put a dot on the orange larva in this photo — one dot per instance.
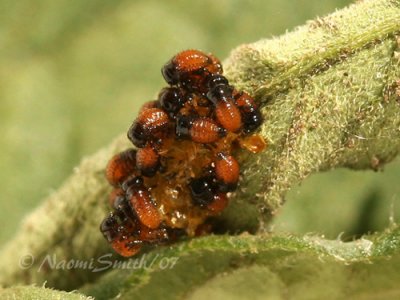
[147, 105]
[121, 166]
[198, 129]
[148, 160]
[244, 101]
[127, 242]
[151, 236]
[126, 246]
[152, 124]
[226, 111]
[219, 203]
[205, 130]
[228, 115]
[126, 228]
[249, 110]
[227, 171]
[190, 68]
[141, 202]
[191, 60]
[120, 232]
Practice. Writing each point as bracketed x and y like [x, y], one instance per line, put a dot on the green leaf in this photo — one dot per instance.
[35, 293]
[261, 267]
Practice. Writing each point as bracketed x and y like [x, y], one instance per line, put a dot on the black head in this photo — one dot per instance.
[132, 183]
[220, 93]
[202, 190]
[183, 125]
[215, 80]
[109, 227]
[251, 121]
[137, 135]
[170, 73]
[171, 100]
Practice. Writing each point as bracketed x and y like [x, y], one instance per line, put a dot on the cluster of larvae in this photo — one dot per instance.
[183, 167]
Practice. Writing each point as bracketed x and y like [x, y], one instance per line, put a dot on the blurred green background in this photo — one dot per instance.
[73, 74]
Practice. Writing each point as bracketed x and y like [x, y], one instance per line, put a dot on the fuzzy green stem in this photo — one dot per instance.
[330, 92]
